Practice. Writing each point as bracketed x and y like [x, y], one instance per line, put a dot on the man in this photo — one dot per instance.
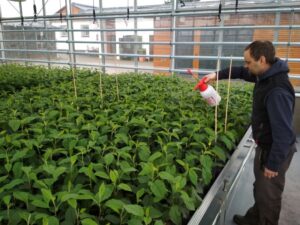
[272, 118]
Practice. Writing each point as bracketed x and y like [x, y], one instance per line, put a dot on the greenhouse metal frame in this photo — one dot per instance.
[175, 12]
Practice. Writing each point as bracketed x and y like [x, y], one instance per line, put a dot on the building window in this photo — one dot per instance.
[86, 32]
[63, 33]
[235, 35]
[208, 50]
[182, 49]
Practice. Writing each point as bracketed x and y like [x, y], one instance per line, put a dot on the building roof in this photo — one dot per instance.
[29, 25]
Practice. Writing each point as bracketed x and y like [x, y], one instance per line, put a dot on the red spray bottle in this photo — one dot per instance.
[209, 94]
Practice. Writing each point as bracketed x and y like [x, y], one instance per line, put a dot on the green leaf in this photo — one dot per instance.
[47, 195]
[19, 155]
[8, 167]
[140, 193]
[89, 127]
[180, 162]
[12, 184]
[104, 192]
[193, 176]
[206, 163]
[180, 183]
[175, 214]
[143, 152]
[6, 199]
[166, 176]
[121, 137]
[158, 222]
[124, 187]
[102, 174]
[17, 170]
[136, 210]
[73, 159]
[24, 215]
[115, 204]
[20, 195]
[14, 124]
[109, 158]
[155, 213]
[226, 141]
[230, 135]
[27, 169]
[88, 171]
[45, 221]
[135, 221]
[155, 156]
[73, 203]
[114, 175]
[219, 153]
[209, 131]
[3, 178]
[147, 169]
[189, 203]
[53, 220]
[159, 189]
[126, 168]
[40, 203]
[66, 196]
[58, 171]
[28, 120]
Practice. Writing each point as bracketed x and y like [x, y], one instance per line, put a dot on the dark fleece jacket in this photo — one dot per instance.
[279, 104]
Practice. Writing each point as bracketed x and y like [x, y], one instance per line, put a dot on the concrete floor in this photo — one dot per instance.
[243, 197]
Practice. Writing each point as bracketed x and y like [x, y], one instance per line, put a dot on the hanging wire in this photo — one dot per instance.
[182, 3]
[220, 11]
[127, 9]
[13, 6]
[34, 11]
[236, 5]
[290, 35]
[60, 13]
[40, 10]
[228, 92]
[43, 7]
[94, 12]
[22, 21]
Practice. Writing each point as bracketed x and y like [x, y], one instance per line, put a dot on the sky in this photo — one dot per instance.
[11, 8]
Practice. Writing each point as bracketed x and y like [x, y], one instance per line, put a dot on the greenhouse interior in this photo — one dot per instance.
[101, 122]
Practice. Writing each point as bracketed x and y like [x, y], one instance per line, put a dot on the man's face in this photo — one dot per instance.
[254, 67]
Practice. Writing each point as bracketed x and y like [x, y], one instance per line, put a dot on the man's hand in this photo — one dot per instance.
[210, 77]
[269, 173]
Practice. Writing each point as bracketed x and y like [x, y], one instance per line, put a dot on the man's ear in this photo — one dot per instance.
[263, 60]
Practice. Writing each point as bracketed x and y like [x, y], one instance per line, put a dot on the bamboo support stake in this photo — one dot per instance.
[74, 82]
[228, 92]
[216, 107]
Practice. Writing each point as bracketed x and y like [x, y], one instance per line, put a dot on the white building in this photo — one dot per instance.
[88, 35]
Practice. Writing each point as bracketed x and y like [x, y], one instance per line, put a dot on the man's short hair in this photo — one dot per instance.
[262, 48]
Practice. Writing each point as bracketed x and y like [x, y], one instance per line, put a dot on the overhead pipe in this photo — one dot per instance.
[138, 55]
[156, 43]
[264, 27]
[167, 13]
